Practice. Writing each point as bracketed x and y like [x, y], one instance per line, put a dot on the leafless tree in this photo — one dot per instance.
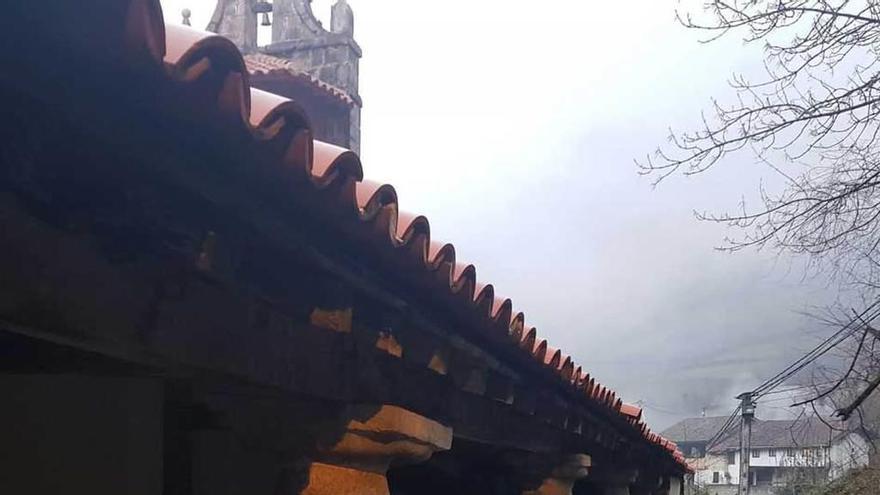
[814, 119]
[846, 383]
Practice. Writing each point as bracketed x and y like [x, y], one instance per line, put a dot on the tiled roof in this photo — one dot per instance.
[365, 211]
[797, 433]
[695, 429]
[260, 63]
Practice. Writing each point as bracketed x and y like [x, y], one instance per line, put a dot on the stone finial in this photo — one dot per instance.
[186, 14]
[342, 18]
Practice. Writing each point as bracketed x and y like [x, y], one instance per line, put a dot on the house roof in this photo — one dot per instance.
[260, 63]
[331, 178]
[797, 433]
[694, 429]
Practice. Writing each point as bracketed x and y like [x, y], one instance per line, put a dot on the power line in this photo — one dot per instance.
[824, 347]
[795, 388]
[731, 420]
[834, 340]
[661, 409]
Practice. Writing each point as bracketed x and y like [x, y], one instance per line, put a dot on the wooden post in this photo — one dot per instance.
[745, 442]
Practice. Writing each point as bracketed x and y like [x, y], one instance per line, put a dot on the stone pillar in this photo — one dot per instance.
[555, 475]
[374, 438]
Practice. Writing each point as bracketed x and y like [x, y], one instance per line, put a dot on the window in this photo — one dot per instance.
[716, 476]
[756, 453]
[772, 453]
[695, 452]
[731, 457]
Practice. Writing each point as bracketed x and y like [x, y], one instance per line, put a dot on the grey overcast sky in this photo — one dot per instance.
[513, 126]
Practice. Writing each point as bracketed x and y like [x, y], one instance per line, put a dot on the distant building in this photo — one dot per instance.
[316, 67]
[692, 434]
[784, 453]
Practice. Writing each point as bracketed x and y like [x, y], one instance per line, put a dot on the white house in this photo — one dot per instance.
[784, 452]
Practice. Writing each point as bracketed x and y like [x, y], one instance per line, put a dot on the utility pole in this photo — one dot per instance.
[745, 441]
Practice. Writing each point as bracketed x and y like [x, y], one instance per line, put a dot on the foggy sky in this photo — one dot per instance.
[513, 126]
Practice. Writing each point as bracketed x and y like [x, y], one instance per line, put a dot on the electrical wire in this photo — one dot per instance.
[722, 432]
[831, 342]
[768, 387]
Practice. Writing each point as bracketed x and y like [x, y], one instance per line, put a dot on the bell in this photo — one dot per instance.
[263, 7]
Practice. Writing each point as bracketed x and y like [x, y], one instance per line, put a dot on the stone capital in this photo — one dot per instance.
[354, 457]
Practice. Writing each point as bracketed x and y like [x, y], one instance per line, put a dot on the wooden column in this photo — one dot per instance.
[374, 438]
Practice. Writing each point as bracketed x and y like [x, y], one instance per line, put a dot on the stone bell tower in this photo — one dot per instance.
[303, 44]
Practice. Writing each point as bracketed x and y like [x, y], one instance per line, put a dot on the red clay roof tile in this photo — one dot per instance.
[260, 63]
[631, 411]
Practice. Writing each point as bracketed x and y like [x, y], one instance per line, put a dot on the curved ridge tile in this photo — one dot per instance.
[540, 352]
[502, 310]
[331, 160]
[484, 296]
[528, 342]
[517, 325]
[234, 98]
[463, 279]
[552, 358]
[298, 154]
[440, 252]
[417, 248]
[384, 224]
[215, 62]
[372, 196]
[187, 49]
[144, 35]
[577, 376]
[270, 112]
[566, 370]
[409, 225]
